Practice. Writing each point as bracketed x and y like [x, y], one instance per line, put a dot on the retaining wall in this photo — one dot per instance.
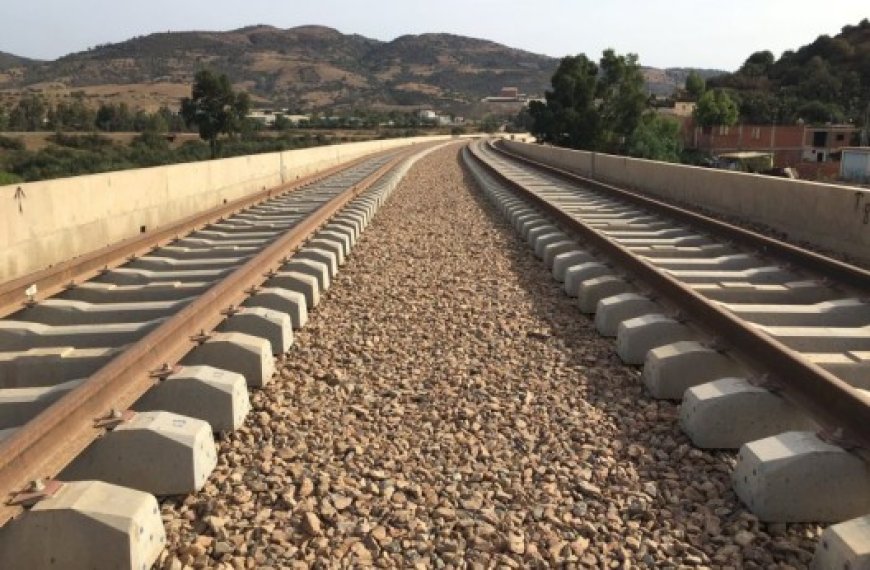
[829, 216]
[43, 223]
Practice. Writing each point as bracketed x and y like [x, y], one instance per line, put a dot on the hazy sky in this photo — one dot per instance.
[669, 33]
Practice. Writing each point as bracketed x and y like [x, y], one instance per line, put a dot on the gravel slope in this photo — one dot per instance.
[447, 406]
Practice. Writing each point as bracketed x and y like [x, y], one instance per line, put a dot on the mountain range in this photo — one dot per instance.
[305, 68]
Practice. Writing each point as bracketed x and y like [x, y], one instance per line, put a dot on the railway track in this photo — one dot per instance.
[183, 320]
[766, 344]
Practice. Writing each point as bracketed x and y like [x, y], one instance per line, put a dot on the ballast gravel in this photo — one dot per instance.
[447, 406]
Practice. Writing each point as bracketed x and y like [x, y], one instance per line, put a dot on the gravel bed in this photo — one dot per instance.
[448, 407]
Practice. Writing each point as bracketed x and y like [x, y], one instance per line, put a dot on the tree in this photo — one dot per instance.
[656, 138]
[716, 108]
[758, 64]
[592, 107]
[114, 118]
[214, 108]
[695, 85]
[490, 124]
[28, 114]
[569, 117]
[622, 94]
[816, 112]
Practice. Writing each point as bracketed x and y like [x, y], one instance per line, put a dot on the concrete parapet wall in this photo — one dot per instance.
[47, 222]
[833, 217]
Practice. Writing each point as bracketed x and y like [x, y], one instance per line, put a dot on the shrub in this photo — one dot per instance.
[9, 178]
[10, 143]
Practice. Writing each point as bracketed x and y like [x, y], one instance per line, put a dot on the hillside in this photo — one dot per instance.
[825, 81]
[667, 81]
[303, 68]
[307, 67]
[9, 61]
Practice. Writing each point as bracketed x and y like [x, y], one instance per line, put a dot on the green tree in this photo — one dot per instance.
[695, 85]
[114, 118]
[214, 108]
[592, 107]
[28, 114]
[716, 108]
[758, 64]
[656, 138]
[621, 91]
[817, 112]
[72, 116]
[570, 117]
[490, 124]
[174, 122]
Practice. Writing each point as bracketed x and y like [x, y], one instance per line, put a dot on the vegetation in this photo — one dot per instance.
[592, 107]
[695, 85]
[343, 69]
[73, 155]
[656, 138]
[34, 113]
[825, 81]
[214, 108]
[716, 108]
[9, 178]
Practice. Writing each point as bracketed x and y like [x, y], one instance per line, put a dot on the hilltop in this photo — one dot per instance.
[827, 80]
[304, 68]
[307, 67]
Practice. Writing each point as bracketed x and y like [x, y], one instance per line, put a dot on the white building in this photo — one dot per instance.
[264, 116]
[268, 117]
[855, 164]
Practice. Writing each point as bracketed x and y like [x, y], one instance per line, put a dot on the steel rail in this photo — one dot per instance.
[57, 278]
[839, 271]
[835, 404]
[42, 447]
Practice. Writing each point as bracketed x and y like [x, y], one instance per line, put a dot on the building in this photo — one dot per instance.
[264, 116]
[814, 151]
[267, 117]
[508, 95]
[820, 143]
[681, 109]
[855, 164]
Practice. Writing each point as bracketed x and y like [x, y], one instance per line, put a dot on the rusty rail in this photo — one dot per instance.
[55, 279]
[841, 272]
[834, 403]
[47, 443]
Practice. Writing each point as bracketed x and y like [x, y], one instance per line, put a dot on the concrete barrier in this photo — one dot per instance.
[50, 221]
[829, 216]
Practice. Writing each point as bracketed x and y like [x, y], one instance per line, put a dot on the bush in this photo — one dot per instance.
[9, 178]
[89, 154]
[9, 143]
[91, 141]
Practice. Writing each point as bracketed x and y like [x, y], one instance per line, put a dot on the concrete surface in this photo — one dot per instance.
[844, 546]
[157, 452]
[825, 215]
[730, 412]
[218, 397]
[87, 525]
[50, 227]
[796, 477]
